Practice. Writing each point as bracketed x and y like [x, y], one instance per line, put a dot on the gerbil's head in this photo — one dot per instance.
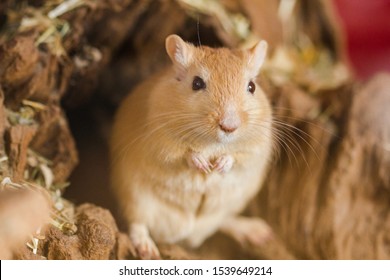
[214, 93]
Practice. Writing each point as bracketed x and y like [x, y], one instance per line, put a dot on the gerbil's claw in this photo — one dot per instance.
[145, 248]
[199, 162]
[224, 163]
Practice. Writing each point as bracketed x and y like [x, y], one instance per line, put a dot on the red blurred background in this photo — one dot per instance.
[366, 24]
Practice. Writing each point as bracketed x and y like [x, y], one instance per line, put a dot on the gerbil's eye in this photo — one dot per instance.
[251, 87]
[198, 83]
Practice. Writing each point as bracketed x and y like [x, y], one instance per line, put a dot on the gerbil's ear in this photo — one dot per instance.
[257, 56]
[179, 51]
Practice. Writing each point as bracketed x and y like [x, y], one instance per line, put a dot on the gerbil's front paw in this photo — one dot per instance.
[144, 246]
[199, 162]
[224, 163]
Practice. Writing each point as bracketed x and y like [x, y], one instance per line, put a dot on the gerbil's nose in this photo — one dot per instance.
[230, 121]
[228, 128]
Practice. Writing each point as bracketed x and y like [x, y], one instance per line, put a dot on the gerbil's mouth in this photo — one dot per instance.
[223, 137]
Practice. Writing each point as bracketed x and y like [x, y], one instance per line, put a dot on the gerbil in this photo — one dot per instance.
[190, 148]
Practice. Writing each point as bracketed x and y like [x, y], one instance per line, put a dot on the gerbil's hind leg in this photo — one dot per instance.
[144, 245]
[247, 231]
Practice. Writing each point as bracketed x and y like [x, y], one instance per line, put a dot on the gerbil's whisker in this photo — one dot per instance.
[282, 139]
[296, 132]
[198, 31]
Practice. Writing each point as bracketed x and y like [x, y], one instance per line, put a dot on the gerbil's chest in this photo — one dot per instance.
[201, 194]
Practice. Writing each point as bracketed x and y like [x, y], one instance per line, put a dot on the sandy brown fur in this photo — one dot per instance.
[163, 122]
